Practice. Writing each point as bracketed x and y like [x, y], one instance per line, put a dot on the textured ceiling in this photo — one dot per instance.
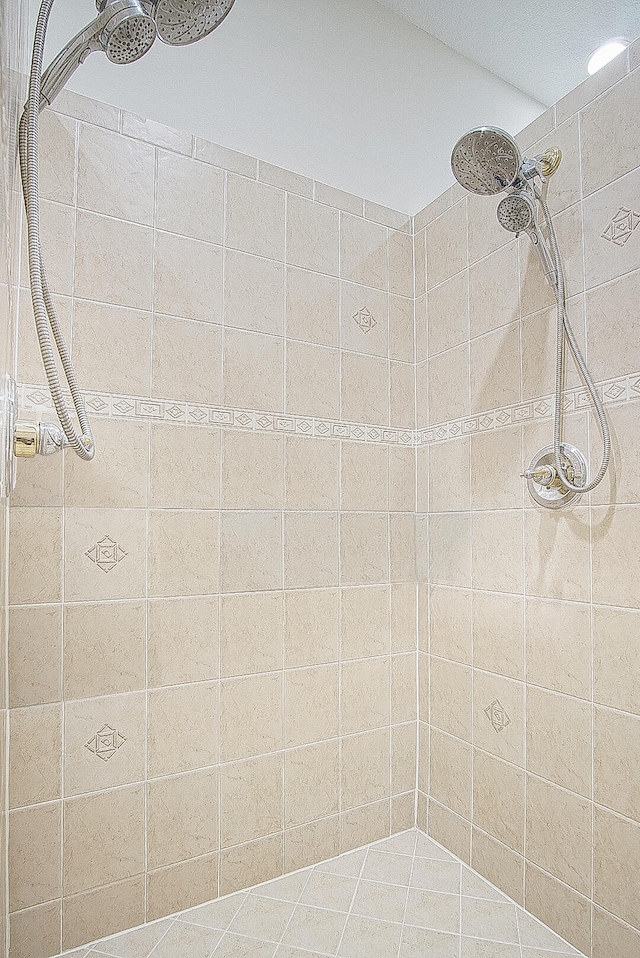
[542, 48]
[347, 91]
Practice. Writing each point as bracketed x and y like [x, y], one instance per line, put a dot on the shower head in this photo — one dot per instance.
[128, 35]
[123, 29]
[516, 212]
[126, 29]
[185, 21]
[486, 160]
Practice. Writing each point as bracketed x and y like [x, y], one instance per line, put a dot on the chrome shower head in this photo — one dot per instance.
[185, 21]
[129, 34]
[486, 160]
[516, 212]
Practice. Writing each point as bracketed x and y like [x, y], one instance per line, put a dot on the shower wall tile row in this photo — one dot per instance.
[213, 624]
[528, 620]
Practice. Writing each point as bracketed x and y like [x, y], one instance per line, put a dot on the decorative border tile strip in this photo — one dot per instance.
[612, 391]
[107, 405]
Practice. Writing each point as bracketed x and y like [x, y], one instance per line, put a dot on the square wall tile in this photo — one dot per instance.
[311, 627]
[251, 551]
[185, 467]
[251, 633]
[250, 716]
[105, 742]
[254, 293]
[35, 755]
[34, 572]
[244, 486]
[182, 640]
[187, 359]
[183, 728]
[182, 817]
[250, 800]
[34, 855]
[104, 648]
[190, 197]
[35, 655]
[93, 856]
[105, 554]
[183, 553]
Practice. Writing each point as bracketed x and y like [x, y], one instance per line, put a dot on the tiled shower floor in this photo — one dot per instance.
[403, 897]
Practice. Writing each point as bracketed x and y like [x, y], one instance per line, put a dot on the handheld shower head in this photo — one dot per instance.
[128, 35]
[123, 29]
[516, 212]
[185, 21]
[486, 160]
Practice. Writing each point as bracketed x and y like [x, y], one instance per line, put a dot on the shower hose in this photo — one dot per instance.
[44, 311]
[564, 329]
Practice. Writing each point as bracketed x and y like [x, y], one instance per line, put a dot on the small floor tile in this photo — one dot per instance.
[403, 897]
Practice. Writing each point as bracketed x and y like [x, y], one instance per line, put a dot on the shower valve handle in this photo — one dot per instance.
[545, 475]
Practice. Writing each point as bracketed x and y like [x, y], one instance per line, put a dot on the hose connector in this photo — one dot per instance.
[37, 439]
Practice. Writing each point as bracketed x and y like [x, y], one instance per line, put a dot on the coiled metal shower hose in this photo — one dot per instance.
[564, 328]
[43, 307]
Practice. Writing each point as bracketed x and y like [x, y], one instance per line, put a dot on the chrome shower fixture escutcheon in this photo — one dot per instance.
[545, 485]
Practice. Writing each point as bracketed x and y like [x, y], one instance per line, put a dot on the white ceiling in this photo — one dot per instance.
[541, 48]
[351, 92]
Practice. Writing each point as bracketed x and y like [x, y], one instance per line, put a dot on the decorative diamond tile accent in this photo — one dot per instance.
[497, 715]
[374, 434]
[454, 429]
[97, 404]
[175, 412]
[243, 419]
[123, 407]
[503, 417]
[542, 408]
[621, 226]
[364, 319]
[614, 391]
[358, 432]
[486, 422]
[635, 386]
[106, 554]
[304, 426]
[322, 428]
[38, 398]
[105, 743]
[196, 414]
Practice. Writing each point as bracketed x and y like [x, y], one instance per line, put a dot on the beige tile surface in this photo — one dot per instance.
[182, 728]
[93, 857]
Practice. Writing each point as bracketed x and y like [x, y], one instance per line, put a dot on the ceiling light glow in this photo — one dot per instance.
[605, 53]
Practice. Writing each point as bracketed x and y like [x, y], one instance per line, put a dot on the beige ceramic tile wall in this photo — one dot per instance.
[13, 48]
[212, 635]
[530, 739]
